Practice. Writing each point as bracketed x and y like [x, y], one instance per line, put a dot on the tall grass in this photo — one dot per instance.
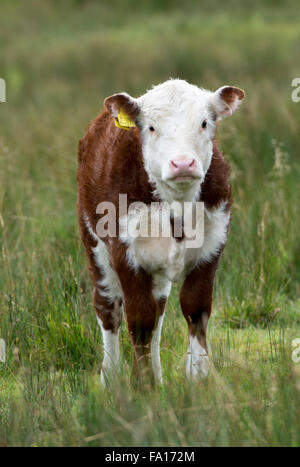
[251, 398]
[60, 60]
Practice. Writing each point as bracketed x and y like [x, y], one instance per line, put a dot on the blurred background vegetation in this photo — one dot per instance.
[60, 59]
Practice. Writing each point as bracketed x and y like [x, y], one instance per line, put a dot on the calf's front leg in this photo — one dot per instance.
[144, 314]
[196, 301]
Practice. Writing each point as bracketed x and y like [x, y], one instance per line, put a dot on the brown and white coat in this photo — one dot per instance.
[170, 155]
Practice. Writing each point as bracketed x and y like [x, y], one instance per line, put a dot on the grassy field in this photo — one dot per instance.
[60, 60]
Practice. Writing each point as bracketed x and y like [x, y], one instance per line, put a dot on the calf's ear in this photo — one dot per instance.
[226, 100]
[124, 102]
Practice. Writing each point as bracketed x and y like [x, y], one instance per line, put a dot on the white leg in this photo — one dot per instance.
[197, 362]
[155, 350]
[161, 288]
[110, 363]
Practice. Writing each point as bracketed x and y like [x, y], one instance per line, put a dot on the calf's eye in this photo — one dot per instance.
[204, 124]
[151, 128]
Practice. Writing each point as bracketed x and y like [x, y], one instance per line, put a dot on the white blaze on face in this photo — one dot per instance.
[176, 110]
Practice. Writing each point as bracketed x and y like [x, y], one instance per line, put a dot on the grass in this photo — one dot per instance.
[259, 408]
[60, 60]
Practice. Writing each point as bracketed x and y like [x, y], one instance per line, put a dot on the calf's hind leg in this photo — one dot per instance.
[107, 296]
[109, 316]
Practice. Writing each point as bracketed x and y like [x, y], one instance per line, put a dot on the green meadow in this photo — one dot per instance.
[60, 60]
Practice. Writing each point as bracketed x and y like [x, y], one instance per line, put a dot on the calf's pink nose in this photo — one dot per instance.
[183, 166]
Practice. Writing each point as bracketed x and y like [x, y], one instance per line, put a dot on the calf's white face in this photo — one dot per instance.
[177, 122]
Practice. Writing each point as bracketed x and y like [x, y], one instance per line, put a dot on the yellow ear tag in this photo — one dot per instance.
[124, 121]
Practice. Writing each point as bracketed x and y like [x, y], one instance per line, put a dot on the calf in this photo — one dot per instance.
[156, 149]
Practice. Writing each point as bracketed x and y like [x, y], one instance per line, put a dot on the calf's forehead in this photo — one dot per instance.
[173, 100]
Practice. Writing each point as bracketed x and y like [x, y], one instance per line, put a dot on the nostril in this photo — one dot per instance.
[182, 166]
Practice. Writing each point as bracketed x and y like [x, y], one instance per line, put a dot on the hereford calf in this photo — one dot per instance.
[164, 152]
